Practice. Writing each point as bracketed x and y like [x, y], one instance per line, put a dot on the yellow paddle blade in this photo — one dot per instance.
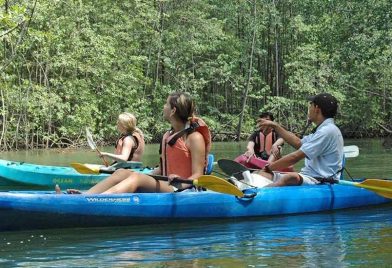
[218, 185]
[381, 187]
[86, 168]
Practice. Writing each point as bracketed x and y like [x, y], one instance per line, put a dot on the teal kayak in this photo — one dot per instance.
[21, 210]
[12, 172]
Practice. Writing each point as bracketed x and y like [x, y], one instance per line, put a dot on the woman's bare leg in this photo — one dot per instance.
[117, 177]
[137, 182]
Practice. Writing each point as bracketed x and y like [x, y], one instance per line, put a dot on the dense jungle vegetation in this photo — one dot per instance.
[65, 65]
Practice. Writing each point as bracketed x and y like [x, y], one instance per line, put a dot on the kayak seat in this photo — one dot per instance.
[210, 164]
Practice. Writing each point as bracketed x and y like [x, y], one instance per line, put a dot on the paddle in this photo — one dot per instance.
[91, 168]
[93, 146]
[381, 187]
[233, 168]
[207, 181]
[351, 151]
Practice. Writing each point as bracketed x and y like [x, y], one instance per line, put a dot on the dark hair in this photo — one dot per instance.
[185, 106]
[327, 103]
[267, 114]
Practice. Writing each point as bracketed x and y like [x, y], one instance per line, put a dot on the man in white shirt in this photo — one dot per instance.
[322, 150]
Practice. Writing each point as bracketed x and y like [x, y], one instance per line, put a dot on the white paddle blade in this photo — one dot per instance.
[351, 151]
[90, 140]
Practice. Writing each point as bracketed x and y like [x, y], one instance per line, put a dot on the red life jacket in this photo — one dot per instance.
[266, 142]
[175, 156]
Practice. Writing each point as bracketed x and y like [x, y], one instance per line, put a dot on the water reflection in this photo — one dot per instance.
[339, 239]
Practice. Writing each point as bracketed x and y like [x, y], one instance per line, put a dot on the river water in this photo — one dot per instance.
[355, 237]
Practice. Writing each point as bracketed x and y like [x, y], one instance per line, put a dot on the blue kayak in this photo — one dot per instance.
[39, 209]
[12, 172]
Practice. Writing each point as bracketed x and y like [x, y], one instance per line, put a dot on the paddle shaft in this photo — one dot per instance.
[165, 178]
[102, 157]
[374, 188]
[157, 177]
[93, 146]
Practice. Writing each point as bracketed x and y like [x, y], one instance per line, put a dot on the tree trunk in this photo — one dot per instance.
[3, 121]
[160, 31]
[276, 53]
[246, 90]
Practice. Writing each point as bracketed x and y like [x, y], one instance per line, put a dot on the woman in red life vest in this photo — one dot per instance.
[264, 143]
[130, 146]
[184, 151]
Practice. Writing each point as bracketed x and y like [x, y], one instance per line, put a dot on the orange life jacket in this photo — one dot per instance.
[138, 144]
[175, 156]
[266, 141]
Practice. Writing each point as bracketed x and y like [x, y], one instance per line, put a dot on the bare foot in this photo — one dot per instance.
[57, 189]
[73, 191]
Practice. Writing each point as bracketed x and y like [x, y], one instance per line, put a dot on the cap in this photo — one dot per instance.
[327, 103]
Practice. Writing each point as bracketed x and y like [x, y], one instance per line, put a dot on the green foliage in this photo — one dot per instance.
[65, 65]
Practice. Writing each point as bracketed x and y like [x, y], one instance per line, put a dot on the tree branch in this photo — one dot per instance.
[22, 32]
[371, 92]
[385, 128]
[12, 29]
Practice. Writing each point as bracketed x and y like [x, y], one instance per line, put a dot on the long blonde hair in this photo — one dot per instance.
[128, 122]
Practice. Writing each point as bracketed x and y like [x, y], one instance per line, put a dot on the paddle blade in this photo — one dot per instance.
[351, 151]
[218, 185]
[381, 187]
[90, 140]
[86, 168]
[232, 168]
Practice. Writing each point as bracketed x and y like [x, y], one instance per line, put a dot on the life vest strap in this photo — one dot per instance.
[181, 133]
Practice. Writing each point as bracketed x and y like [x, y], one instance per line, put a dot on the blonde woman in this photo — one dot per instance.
[130, 145]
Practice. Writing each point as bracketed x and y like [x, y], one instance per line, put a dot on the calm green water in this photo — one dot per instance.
[373, 161]
[357, 237]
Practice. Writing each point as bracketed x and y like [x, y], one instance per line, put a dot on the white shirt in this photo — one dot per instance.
[324, 151]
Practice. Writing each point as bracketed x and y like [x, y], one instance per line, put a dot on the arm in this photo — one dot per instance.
[288, 160]
[288, 136]
[276, 150]
[128, 143]
[196, 145]
[250, 149]
[279, 142]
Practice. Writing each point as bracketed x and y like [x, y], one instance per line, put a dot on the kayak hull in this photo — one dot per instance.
[30, 210]
[17, 173]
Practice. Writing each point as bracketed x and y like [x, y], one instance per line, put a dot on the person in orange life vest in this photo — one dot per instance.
[265, 143]
[186, 158]
[130, 146]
